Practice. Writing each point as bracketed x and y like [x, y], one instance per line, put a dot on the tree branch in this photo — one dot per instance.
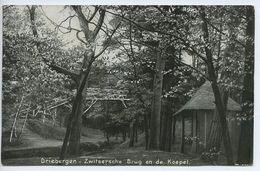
[185, 42]
[193, 68]
[56, 25]
[61, 70]
[99, 24]
[32, 19]
[107, 40]
[83, 21]
[221, 32]
[69, 17]
[160, 10]
[77, 35]
[93, 15]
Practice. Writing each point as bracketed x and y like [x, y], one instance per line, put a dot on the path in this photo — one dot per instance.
[36, 145]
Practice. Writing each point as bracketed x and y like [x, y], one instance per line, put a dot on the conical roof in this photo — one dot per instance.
[204, 99]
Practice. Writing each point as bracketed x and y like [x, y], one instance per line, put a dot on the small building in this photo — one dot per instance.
[194, 121]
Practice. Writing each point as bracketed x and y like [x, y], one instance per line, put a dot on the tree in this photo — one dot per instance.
[218, 100]
[73, 128]
[245, 152]
[72, 136]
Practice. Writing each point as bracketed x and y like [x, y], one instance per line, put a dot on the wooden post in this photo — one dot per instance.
[182, 133]
[107, 117]
[205, 130]
[173, 129]
[194, 133]
[54, 116]
[43, 116]
[192, 124]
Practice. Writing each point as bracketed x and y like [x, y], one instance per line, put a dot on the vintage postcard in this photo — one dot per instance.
[128, 85]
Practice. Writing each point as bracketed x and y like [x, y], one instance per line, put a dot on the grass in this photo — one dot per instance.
[90, 132]
[6, 137]
[46, 130]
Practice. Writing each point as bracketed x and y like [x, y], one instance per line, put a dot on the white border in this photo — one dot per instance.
[256, 3]
[130, 2]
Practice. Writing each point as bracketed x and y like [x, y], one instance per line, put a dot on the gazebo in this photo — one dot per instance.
[194, 121]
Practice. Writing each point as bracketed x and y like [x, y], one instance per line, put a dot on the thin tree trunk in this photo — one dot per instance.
[124, 135]
[173, 129]
[13, 129]
[136, 131]
[217, 96]
[28, 111]
[146, 126]
[131, 143]
[245, 150]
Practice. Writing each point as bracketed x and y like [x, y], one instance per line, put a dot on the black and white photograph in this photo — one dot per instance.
[128, 85]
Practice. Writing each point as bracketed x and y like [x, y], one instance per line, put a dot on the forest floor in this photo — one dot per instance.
[36, 135]
[115, 154]
[96, 151]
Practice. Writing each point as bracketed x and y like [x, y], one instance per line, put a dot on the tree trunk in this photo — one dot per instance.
[69, 126]
[156, 108]
[168, 145]
[166, 131]
[217, 96]
[215, 136]
[136, 132]
[163, 130]
[76, 112]
[74, 140]
[245, 150]
[132, 132]
[124, 135]
[173, 129]
[146, 126]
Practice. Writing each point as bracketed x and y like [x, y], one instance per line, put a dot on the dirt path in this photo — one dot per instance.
[31, 140]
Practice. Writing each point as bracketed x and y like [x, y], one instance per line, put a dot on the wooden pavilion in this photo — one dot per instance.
[195, 119]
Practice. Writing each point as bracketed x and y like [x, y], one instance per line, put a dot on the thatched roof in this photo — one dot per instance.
[203, 99]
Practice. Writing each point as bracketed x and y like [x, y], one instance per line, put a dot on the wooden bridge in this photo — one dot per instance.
[50, 108]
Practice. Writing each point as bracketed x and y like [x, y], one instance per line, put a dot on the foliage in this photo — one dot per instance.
[24, 72]
[211, 155]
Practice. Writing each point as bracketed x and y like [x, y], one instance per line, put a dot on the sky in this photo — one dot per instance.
[58, 13]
